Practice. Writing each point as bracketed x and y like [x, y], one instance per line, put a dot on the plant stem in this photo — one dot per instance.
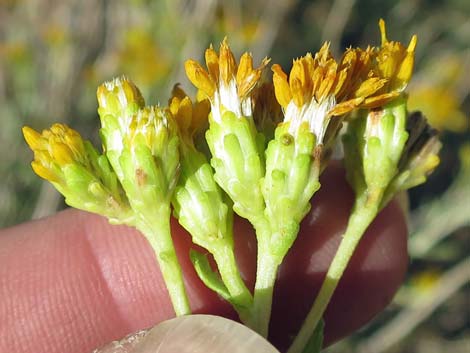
[263, 297]
[158, 233]
[361, 217]
[230, 274]
[266, 272]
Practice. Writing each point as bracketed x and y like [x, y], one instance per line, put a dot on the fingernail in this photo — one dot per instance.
[191, 334]
[125, 345]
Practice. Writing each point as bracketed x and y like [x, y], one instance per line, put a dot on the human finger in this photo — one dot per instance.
[193, 333]
[72, 282]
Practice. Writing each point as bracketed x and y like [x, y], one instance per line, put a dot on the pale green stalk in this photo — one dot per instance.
[200, 207]
[239, 293]
[385, 152]
[362, 216]
[158, 233]
[291, 180]
[266, 273]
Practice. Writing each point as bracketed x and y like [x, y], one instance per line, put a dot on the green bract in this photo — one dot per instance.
[238, 161]
[291, 179]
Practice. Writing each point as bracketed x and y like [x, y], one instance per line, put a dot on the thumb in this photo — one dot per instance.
[191, 334]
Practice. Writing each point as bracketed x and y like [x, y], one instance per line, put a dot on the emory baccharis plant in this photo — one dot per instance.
[269, 141]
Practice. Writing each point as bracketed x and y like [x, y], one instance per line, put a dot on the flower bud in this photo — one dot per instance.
[77, 171]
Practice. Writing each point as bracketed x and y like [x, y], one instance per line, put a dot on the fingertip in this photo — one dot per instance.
[129, 266]
[74, 273]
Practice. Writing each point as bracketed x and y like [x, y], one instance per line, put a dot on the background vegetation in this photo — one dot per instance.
[54, 53]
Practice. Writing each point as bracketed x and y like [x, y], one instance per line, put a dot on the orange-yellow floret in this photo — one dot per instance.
[190, 117]
[54, 149]
[223, 71]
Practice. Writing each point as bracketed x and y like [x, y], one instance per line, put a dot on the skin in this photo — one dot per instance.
[72, 282]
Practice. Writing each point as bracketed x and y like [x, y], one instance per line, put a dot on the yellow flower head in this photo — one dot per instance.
[227, 85]
[318, 87]
[153, 126]
[119, 100]
[190, 117]
[118, 94]
[54, 149]
[394, 61]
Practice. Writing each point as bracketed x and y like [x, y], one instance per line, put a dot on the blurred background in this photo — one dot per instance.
[54, 54]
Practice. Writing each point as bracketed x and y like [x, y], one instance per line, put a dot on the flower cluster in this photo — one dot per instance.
[227, 85]
[318, 87]
[76, 169]
[54, 149]
[268, 142]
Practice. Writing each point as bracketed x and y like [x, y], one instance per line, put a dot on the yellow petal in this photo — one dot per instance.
[212, 63]
[378, 101]
[412, 46]
[200, 96]
[247, 77]
[246, 86]
[227, 64]
[58, 129]
[75, 142]
[44, 172]
[174, 105]
[132, 93]
[317, 78]
[189, 117]
[309, 65]
[383, 32]
[324, 53]
[281, 87]
[199, 77]
[297, 74]
[185, 113]
[345, 107]
[297, 92]
[61, 153]
[245, 68]
[369, 87]
[33, 138]
[341, 83]
[345, 71]
[405, 71]
[327, 81]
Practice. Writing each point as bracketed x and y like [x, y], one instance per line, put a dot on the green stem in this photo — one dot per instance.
[158, 233]
[263, 295]
[361, 217]
[266, 272]
[230, 274]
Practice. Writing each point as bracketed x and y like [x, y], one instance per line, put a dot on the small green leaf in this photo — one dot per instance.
[210, 278]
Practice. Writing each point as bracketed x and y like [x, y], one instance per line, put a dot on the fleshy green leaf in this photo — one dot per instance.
[210, 278]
